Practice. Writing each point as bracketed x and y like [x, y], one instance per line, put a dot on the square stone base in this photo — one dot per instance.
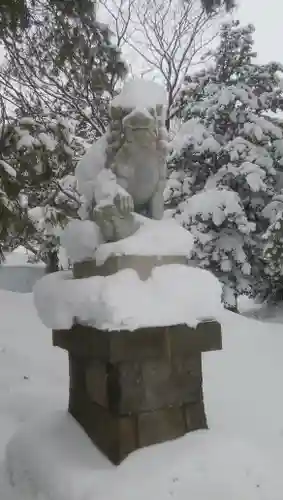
[133, 389]
[118, 435]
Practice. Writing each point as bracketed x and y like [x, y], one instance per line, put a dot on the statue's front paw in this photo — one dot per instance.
[124, 203]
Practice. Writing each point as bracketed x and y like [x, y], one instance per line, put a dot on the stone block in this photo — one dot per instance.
[130, 389]
[113, 346]
[125, 388]
[185, 341]
[170, 384]
[161, 425]
[195, 416]
[133, 387]
[83, 341]
[115, 436]
[139, 345]
[96, 380]
[77, 370]
[142, 264]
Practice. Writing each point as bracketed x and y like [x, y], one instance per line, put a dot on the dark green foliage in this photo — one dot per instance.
[58, 77]
[14, 15]
[211, 5]
[230, 144]
[273, 256]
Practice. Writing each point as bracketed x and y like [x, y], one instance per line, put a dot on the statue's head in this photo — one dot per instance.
[139, 126]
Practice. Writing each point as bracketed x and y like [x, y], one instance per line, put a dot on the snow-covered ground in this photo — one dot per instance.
[240, 458]
[17, 273]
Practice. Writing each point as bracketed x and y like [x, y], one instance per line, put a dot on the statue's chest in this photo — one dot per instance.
[142, 176]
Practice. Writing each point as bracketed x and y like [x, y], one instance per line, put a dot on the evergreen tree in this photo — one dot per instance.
[35, 161]
[273, 255]
[15, 15]
[65, 63]
[230, 141]
[210, 5]
[59, 76]
[221, 230]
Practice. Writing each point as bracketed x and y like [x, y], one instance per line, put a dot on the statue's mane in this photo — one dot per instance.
[115, 134]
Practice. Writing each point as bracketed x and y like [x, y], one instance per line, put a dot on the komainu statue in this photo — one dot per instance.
[127, 167]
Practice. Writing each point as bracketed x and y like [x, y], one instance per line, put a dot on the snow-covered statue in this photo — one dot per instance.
[130, 282]
[124, 172]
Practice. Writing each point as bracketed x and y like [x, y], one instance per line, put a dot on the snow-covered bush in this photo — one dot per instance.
[273, 255]
[229, 142]
[217, 221]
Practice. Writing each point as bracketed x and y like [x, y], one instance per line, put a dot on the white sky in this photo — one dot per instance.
[267, 16]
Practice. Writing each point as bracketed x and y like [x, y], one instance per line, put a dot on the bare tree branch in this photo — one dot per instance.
[163, 38]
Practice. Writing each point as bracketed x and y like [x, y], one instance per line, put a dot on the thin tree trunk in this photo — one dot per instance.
[52, 264]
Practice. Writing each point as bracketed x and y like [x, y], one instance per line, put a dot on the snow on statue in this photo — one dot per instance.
[125, 170]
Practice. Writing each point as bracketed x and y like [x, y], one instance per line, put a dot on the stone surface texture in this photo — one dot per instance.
[130, 389]
[142, 264]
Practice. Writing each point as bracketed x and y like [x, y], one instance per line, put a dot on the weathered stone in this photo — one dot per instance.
[115, 436]
[128, 436]
[83, 341]
[185, 341]
[77, 400]
[161, 425]
[133, 389]
[77, 389]
[139, 345]
[113, 222]
[77, 370]
[168, 384]
[126, 389]
[142, 264]
[195, 416]
[191, 365]
[96, 382]
[113, 346]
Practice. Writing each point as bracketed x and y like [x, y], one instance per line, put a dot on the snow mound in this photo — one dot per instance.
[194, 133]
[90, 166]
[52, 459]
[140, 93]
[18, 273]
[80, 238]
[162, 237]
[21, 257]
[214, 204]
[20, 279]
[172, 295]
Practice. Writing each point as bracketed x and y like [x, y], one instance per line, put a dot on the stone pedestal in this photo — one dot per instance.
[130, 389]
